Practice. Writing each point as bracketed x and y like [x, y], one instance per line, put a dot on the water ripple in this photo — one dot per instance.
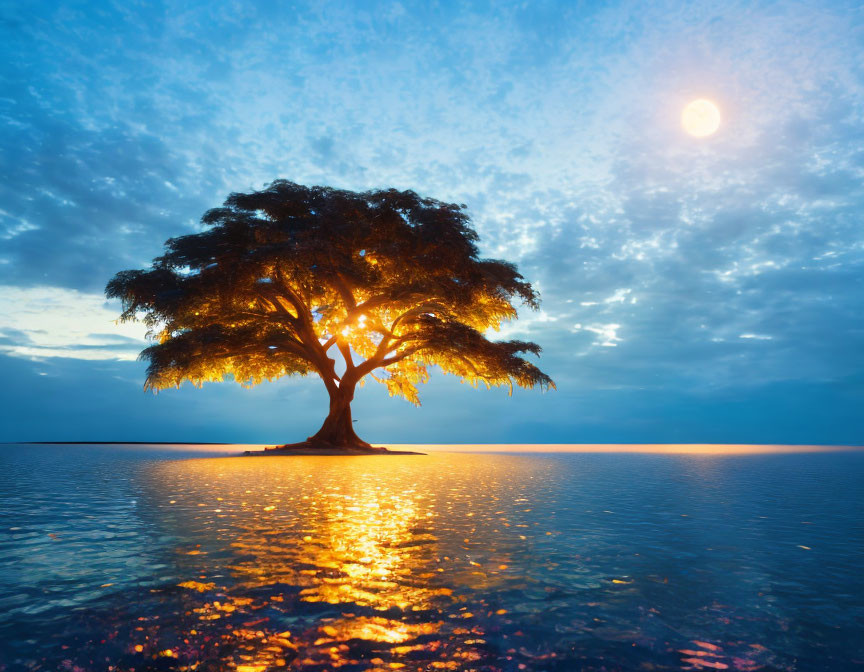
[135, 558]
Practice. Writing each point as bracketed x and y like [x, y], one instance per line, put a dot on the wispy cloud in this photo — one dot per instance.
[687, 265]
[43, 322]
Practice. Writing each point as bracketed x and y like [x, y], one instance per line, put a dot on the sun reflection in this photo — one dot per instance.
[328, 563]
[360, 550]
[366, 546]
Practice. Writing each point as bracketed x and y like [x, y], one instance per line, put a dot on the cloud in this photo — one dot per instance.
[41, 322]
[729, 264]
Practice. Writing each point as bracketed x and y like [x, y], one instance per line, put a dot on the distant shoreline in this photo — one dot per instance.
[120, 443]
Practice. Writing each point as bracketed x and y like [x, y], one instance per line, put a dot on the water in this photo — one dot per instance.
[125, 558]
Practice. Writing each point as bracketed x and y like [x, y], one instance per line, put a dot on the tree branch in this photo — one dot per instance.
[344, 293]
[377, 361]
[307, 335]
[402, 355]
[290, 346]
[329, 343]
[420, 308]
[345, 349]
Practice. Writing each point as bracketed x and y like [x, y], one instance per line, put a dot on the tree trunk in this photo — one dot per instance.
[338, 429]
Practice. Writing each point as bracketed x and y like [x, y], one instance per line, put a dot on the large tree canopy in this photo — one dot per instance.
[283, 277]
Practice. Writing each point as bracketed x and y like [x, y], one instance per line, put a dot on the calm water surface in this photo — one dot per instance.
[123, 558]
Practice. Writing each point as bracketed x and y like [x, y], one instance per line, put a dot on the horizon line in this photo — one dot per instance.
[650, 448]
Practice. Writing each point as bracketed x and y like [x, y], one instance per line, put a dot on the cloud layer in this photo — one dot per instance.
[681, 278]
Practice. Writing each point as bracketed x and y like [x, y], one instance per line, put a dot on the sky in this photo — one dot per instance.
[694, 290]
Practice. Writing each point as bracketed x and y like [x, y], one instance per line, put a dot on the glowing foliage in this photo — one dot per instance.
[282, 276]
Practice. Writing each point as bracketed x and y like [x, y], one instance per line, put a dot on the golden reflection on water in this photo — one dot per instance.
[365, 544]
[355, 539]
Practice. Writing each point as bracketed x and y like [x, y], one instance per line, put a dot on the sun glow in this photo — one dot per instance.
[700, 118]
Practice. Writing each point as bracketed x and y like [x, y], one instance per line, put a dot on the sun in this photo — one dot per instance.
[700, 118]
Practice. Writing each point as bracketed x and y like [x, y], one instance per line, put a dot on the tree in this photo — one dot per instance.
[283, 277]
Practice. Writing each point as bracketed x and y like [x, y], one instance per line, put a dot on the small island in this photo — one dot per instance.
[316, 448]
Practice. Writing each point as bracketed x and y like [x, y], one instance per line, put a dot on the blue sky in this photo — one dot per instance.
[694, 290]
